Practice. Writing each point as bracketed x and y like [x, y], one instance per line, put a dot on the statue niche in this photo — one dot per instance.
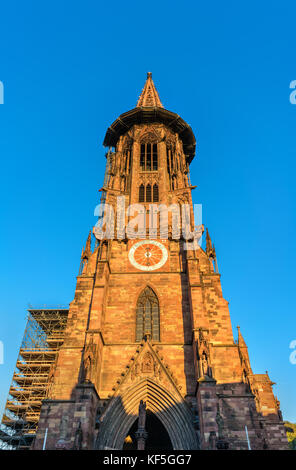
[89, 361]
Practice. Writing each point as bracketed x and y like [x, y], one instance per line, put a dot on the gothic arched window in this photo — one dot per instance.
[148, 193]
[148, 157]
[147, 317]
[142, 158]
[141, 193]
[155, 193]
[154, 158]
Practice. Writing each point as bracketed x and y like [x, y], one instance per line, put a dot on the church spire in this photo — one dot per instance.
[149, 96]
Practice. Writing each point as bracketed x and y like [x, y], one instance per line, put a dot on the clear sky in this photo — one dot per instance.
[70, 68]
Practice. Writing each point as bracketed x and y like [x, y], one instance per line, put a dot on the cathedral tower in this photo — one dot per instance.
[148, 358]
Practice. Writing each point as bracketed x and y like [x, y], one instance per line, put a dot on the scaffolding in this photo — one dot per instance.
[43, 337]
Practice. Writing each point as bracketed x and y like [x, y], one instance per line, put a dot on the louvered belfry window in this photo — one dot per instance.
[148, 157]
[147, 316]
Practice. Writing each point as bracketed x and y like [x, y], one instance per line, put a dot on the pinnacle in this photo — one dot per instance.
[210, 249]
[241, 340]
[149, 96]
[87, 251]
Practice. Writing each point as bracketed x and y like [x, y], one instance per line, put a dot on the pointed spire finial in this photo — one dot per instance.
[149, 96]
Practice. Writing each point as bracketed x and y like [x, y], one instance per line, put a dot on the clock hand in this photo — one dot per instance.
[148, 254]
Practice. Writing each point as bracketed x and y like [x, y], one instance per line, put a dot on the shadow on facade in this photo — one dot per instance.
[170, 424]
[187, 328]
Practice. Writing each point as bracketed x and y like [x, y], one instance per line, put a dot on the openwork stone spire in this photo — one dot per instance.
[149, 96]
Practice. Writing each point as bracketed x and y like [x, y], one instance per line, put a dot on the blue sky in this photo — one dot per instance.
[70, 68]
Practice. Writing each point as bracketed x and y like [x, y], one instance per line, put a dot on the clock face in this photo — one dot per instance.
[148, 255]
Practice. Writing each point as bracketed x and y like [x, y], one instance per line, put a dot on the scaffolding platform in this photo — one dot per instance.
[43, 337]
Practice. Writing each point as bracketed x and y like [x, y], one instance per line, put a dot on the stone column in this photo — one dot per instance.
[141, 434]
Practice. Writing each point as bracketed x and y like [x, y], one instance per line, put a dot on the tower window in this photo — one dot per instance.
[142, 193]
[155, 162]
[148, 193]
[155, 193]
[148, 157]
[142, 157]
[147, 316]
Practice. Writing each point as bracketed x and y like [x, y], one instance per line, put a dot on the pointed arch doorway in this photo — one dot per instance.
[157, 439]
[167, 407]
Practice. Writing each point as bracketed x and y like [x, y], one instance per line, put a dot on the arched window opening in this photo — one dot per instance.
[142, 157]
[172, 159]
[155, 193]
[147, 316]
[148, 193]
[141, 193]
[148, 157]
[155, 162]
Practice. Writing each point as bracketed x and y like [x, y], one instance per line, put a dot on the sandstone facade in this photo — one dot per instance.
[195, 378]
